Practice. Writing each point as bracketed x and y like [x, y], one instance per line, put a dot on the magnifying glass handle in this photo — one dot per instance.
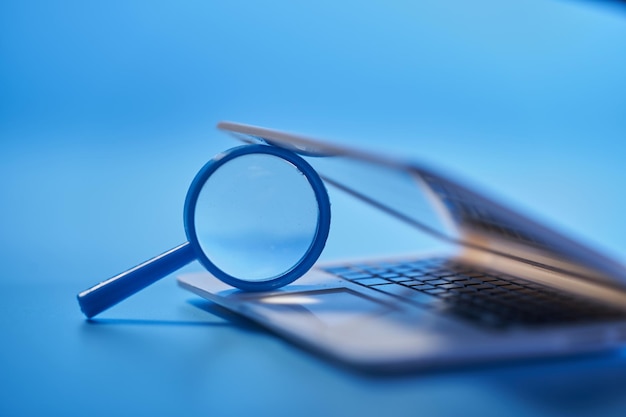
[110, 292]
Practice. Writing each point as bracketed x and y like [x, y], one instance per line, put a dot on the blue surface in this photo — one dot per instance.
[107, 110]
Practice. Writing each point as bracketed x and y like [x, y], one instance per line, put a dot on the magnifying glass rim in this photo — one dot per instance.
[321, 233]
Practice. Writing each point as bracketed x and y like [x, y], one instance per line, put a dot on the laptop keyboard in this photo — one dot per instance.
[486, 298]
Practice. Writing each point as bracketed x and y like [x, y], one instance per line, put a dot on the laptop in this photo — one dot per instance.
[504, 286]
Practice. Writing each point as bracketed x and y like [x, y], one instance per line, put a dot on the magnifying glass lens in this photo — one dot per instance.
[256, 216]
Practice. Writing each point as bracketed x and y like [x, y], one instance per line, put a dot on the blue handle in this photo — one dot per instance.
[110, 292]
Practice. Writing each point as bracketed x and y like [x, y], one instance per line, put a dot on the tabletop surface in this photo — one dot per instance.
[108, 110]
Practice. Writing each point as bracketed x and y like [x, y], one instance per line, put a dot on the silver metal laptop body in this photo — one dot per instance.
[509, 287]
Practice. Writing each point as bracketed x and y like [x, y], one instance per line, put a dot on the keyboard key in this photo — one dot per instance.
[456, 278]
[413, 282]
[436, 281]
[368, 282]
[355, 275]
[494, 291]
[488, 279]
[435, 291]
[395, 289]
[424, 299]
[402, 279]
[475, 274]
[416, 274]
[388, 275]
[482, 287]
[528, 291]
[448, 294]
[447, 274]
[423, 287]
[465, 290]
[450, 286]
[408, 294]
[376, 271]
[512, 287]
[518, 281]
[500, 283]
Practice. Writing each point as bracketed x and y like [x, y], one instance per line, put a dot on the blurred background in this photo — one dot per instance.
[108, 109]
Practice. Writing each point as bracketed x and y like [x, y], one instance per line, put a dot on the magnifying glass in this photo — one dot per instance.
[256, 217]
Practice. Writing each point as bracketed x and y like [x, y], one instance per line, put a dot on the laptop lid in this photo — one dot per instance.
[434, 203]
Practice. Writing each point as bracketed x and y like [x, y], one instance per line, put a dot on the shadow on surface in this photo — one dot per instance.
[223, 313]
[230, 319]
[147, 322]
[577, 385]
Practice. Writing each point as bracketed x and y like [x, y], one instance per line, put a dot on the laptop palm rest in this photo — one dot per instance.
[337, 321]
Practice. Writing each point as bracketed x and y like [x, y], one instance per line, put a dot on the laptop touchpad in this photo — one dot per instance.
[332, 307]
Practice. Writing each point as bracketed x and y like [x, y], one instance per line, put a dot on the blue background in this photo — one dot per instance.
[107, 110]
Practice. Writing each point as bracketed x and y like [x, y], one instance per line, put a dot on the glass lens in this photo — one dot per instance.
[256, 217]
